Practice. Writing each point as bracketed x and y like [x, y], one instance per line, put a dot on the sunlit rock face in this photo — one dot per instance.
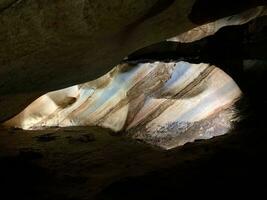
[212, 27]
[165, 104]
[42, 39]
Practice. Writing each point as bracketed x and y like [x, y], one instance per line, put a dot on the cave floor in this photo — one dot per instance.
[92, 163]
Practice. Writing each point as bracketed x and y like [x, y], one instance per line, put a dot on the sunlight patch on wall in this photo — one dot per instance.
[164, 104]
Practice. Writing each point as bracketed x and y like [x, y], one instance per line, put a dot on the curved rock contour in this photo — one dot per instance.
[166, 104]
[48, 45]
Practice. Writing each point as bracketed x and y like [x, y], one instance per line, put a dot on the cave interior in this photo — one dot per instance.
[155, 125]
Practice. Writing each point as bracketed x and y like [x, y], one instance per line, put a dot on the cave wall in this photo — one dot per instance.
[164, 104]
[48, 45]
[42, 40]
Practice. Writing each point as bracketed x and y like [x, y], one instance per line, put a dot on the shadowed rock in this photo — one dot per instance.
[48, 45]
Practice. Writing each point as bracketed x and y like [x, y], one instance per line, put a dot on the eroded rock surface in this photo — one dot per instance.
[212, 27]
[48, 45]
[166, 104]
[82, 39]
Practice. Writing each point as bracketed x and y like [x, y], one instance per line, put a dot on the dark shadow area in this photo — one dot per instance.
[232, 49]
[237, 164]
[89, 163]
[234, 166]
[204, 11]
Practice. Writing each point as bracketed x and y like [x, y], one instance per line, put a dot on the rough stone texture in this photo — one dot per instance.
[152, 101]
[212, 27]
[47, 45]
[51, 165]
[63, 166]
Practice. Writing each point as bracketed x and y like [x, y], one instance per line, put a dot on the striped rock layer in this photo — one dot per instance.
[164, 104]
[211, 28]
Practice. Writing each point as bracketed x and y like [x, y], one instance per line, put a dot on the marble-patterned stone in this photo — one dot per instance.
[165, 104]
[49, 45]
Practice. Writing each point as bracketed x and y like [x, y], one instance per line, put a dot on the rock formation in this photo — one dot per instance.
[82, 121]
[166, 104]
[212, 27]
[49, 45]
